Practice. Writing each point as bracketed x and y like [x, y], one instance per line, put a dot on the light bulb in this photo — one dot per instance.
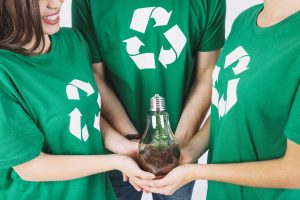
[159, 151]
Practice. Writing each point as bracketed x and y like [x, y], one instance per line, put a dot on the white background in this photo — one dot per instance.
[234, 8]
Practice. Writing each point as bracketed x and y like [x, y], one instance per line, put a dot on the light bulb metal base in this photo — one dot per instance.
[157, 103]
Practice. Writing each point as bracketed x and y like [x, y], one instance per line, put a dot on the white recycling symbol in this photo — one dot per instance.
[75, 127]
[223, 106]
[174, 35]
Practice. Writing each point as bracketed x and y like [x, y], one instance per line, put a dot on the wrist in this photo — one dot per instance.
[194, 150]
[118, 162]
[182, 138]
[131, 147]
[186, 157]
[194, 154]
[191, 170]
[199, 171]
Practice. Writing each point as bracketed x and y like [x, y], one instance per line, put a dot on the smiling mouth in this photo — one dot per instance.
[51, 19]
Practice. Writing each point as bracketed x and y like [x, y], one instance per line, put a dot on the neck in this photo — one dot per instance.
[277, 10]
[280, 8]
[44, 50]
[47, 44]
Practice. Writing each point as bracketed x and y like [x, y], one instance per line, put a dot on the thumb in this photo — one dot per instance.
[125, 177]
[161, 182]
[146, 175]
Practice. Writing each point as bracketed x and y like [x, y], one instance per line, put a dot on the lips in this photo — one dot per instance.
[51, 19]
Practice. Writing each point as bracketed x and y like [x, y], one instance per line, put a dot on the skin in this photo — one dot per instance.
[53, 167]
[192, 116]
[113, 111]
[47, 8]
[193, 113]
[278, 173]
[199, 98]
[196, 107]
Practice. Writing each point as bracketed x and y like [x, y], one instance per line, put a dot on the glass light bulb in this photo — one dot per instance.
[159, 151]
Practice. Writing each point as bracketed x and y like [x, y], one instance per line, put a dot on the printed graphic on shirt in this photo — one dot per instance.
[76, 128]
[174, 36]
[223, 105]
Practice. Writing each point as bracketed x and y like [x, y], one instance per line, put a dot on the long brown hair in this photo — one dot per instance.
[20, 22]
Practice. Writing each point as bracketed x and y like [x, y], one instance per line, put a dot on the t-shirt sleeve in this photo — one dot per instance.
[292, 129]
[214, 34]
[82, 21]
[20, 138]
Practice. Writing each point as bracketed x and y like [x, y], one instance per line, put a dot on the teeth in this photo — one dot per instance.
[51, 18]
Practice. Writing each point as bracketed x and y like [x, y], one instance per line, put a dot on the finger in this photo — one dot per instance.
[146, 191]
[136, 187]
[125, 178]
[170, 190]
[158, 190]
[161, 182]
[140, 182]
[145, 175]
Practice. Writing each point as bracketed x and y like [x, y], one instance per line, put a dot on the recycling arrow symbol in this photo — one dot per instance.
[223, 106]
[75, 127]
[174, 36]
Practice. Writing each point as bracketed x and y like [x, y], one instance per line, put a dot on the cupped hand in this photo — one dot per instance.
[131, 150]
[132, 172]
[168, 185]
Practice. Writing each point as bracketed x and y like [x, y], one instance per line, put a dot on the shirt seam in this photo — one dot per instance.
[292, 134]
[27, 157]
[214, 47]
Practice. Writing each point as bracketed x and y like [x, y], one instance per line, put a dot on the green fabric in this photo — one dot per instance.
[150, 47]
[40, 100]
[256, 100]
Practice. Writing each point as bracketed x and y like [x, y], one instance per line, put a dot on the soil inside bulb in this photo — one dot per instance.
[159, 160]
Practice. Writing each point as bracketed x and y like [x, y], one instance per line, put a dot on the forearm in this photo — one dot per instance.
[66, 167]
[277, 173]
[194, 112]
[112, 109]
[199, 99]
[115, 142]
[198, 145]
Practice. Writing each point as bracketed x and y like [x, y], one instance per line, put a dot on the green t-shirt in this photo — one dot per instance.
[150, 47]
[256, 101]
[50, 103]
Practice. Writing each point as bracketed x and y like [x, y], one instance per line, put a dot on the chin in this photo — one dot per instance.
[51, 24]
[51, 30]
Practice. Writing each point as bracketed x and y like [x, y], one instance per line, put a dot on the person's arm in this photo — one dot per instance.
[47, 167]
[117, 143]
[278, 173]
[112, 109]
[191, 152]
[197, 146]
[199, 98]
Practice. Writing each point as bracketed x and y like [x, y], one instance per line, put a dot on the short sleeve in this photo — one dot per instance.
[292, 129]
[214, 34]
[82, 21]
[20, 138]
